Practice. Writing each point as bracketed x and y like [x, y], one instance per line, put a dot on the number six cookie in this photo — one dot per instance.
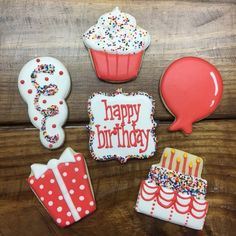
[44, 83]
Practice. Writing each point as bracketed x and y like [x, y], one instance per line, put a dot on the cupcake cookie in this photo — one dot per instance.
[116, 46]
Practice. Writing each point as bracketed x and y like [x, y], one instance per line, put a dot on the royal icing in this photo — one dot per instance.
[64, 188]
[44, 83]
[121, 126]
[170, 205]
[177, 181]
[174, 191]
[117, 32]
[191, 88]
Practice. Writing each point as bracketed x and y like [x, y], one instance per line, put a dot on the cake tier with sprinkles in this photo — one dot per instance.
[180, 171]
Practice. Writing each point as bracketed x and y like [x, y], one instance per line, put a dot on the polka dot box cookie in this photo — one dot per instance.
[64, 188]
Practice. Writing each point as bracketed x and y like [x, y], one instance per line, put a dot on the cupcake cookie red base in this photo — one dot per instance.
[115, 67]
[116, 45]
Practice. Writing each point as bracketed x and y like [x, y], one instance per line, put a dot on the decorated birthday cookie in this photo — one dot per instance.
[121, 126]
[174, 190]
[64, 188]
[116, 45]
[191, 89]
[44, 83]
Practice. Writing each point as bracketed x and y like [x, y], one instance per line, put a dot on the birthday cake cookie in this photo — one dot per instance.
[121, 126]
[116, 46]
[174, 190]
[44, 83]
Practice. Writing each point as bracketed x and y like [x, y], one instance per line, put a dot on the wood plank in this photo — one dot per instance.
[115, 185]
[38, 28]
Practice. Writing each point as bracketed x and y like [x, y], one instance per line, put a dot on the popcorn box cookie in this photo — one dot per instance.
[64, 188]
[121, 126]
[174, 190]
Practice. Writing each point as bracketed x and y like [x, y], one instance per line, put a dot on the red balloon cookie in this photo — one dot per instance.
[191, 89]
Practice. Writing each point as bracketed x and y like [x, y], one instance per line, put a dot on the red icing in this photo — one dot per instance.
[116, 67]
[177, 166]
[121, 111]
[29, 91]
[125, 138]
[60, 72]
[184, 165]
[44, 101]
[22, 81]
[191, 205]
[171, 160]
[46, 78]
[74, 175]
[197, 169]
[54, 126]
[35, 118]
[61, 102]
[191, 89]
[38, 60]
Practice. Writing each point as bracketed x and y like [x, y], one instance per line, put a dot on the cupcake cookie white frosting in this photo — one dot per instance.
[117, 32]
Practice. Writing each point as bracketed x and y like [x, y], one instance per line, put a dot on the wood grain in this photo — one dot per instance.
[54, 28]
[115, 185]
[31, 28]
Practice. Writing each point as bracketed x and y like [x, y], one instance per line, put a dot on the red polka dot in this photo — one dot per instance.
[60, 72]
[37, 60]
[29, 91]
[61, 102]
[44, 101]
[50, 145]
[54, 126]
[46, 78]
[35, 118]
[22, 81]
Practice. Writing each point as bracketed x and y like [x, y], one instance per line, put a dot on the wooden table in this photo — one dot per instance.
[54, 28]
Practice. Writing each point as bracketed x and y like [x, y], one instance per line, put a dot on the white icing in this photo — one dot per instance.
[159, 212]
[144, 122]
[117, 32]
[66, 194]
[57, 99]
[38, 170]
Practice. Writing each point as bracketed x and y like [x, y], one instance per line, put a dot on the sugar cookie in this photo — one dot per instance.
[121, 126]
[44, 83]
[174, 190]
[64, 188]
[116, 45]
[191, 89]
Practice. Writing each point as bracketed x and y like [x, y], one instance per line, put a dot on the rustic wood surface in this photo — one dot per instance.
[54, 28]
